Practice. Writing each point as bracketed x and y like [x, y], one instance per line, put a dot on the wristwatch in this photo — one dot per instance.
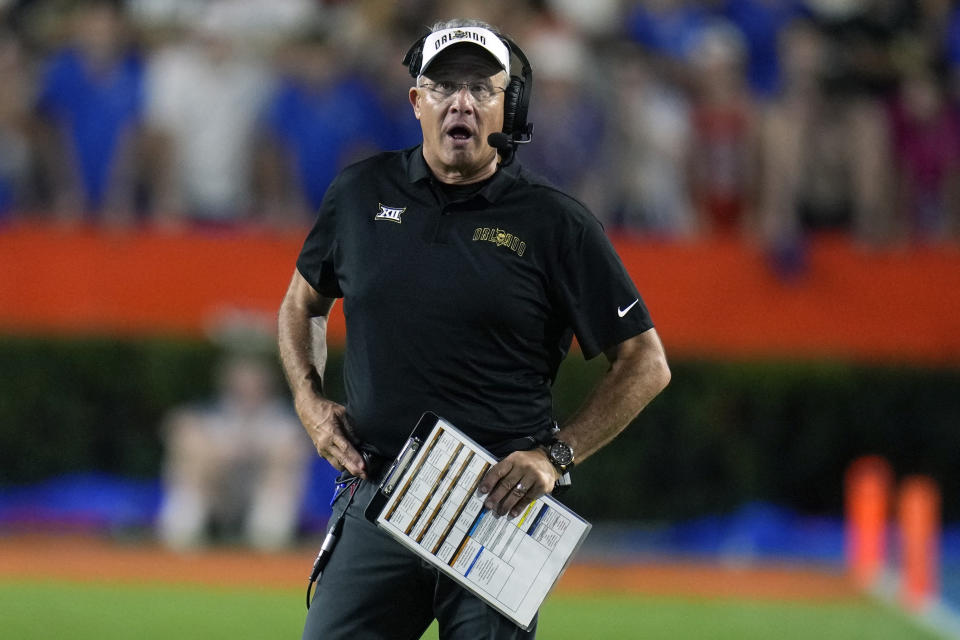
[560, 454]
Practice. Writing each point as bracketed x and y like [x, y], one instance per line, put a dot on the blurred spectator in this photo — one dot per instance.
[927, 155]
[594, 19]
[230, 140]
[569, 118]
[825, 150]
[206, 95]
[322, 117]
[724, 132]
[667, 27]
[862, 38]
[253, 21]
[951, 52]
[15, 144]
[91, 97]
[394, 82]
[836, 10]
[952, 38]
[669, 31]
[652, 150]
[510, 15]
[237, 464]
[760, 22]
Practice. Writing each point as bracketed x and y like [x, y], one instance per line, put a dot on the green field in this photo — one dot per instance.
[82, 611]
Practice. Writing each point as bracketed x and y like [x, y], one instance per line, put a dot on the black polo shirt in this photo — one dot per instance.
[464, 308]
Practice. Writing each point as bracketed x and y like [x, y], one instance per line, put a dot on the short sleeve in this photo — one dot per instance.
[600, 299]
[317, 261]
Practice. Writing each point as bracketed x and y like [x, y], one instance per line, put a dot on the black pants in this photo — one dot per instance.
[374, 588]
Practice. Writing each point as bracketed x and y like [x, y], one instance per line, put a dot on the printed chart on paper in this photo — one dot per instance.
[512, 563]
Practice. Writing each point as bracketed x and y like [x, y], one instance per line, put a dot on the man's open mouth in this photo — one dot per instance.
[459, 133]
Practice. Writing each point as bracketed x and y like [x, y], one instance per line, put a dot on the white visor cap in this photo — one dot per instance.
[488, 40]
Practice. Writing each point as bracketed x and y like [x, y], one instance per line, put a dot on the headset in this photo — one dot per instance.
[516, 98]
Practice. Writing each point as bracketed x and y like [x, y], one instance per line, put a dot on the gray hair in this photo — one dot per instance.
[462, 22]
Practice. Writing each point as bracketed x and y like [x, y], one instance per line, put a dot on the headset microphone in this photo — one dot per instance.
[505, 145]
[500, 141]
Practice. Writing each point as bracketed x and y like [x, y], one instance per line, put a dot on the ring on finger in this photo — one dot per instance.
[519, 489]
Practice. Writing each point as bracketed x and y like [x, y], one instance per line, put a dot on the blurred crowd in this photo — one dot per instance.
[235, 467]
[669, 118]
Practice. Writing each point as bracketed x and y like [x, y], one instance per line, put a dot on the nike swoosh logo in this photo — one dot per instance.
[624, 311]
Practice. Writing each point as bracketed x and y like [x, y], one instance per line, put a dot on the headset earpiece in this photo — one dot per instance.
[516, 99]
[414, 57]
[511, 104]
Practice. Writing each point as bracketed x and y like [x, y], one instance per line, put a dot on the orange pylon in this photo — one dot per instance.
[918, 512]
[868, 485]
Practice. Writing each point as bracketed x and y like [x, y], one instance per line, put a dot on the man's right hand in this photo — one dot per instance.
[326, 424]
[301, 336]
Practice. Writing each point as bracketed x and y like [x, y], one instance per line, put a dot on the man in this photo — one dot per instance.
[321, 117]
[206, 95]
[238, 462]
[463, 281]
[90, 101]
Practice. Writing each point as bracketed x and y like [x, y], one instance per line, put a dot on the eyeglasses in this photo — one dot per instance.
[481, 91]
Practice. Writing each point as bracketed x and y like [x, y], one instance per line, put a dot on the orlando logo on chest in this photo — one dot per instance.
[500, 238]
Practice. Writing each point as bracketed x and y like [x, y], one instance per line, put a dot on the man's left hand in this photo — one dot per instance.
[517, 480]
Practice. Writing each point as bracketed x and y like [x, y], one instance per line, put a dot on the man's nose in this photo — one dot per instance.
[463, 100]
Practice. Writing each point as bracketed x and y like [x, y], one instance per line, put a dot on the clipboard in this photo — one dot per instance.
[428, 502]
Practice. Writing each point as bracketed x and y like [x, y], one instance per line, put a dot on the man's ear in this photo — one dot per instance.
[414, 96]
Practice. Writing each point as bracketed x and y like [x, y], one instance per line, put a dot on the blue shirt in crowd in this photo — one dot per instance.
[93, 110]
[760, 22]
[324, 129]
[672, 32]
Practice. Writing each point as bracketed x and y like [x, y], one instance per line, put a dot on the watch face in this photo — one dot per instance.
[561, 453]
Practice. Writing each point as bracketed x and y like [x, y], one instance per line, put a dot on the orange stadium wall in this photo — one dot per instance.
[777, 384]
[716, 298]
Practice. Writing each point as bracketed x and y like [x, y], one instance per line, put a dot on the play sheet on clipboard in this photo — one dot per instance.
[428, 501]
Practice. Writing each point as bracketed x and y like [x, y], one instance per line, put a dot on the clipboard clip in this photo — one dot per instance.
[399, 466]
